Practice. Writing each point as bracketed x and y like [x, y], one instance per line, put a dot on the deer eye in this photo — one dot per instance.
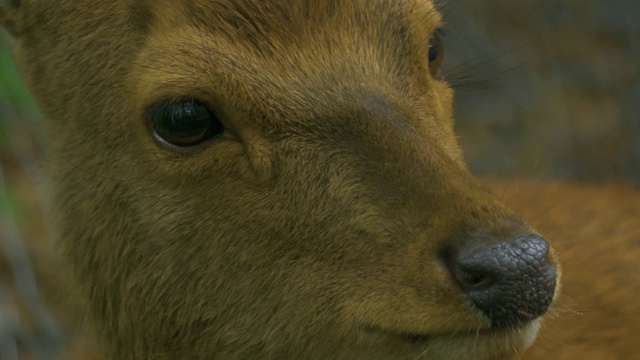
[436, 53]
[184, 122]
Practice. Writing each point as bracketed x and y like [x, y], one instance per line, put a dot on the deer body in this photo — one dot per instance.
[596, 233]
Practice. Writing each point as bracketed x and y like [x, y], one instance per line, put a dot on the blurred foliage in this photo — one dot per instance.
[27, 328]
[20, 133]
[15, 100]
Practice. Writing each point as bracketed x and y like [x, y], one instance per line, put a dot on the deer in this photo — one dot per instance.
[250, 179]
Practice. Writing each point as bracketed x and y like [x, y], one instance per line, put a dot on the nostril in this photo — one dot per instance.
[509, 282]
[472, 280]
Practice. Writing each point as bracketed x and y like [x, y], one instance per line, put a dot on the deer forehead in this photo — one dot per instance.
[293, 60]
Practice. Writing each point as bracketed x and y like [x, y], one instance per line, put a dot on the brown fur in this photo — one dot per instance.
[596, 233]
[315, 235]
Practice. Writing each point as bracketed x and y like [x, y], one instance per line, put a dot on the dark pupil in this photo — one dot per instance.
[184, 123]
[434, 45]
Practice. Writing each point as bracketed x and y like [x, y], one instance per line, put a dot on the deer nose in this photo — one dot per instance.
[510, 282]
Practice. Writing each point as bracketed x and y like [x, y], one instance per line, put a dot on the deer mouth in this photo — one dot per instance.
[519, 337]
[478, 333]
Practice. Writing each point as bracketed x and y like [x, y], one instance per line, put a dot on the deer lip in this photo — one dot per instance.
[421, 338]
[417, 338]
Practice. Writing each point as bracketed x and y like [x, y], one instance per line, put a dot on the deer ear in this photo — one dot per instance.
[10, 16]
